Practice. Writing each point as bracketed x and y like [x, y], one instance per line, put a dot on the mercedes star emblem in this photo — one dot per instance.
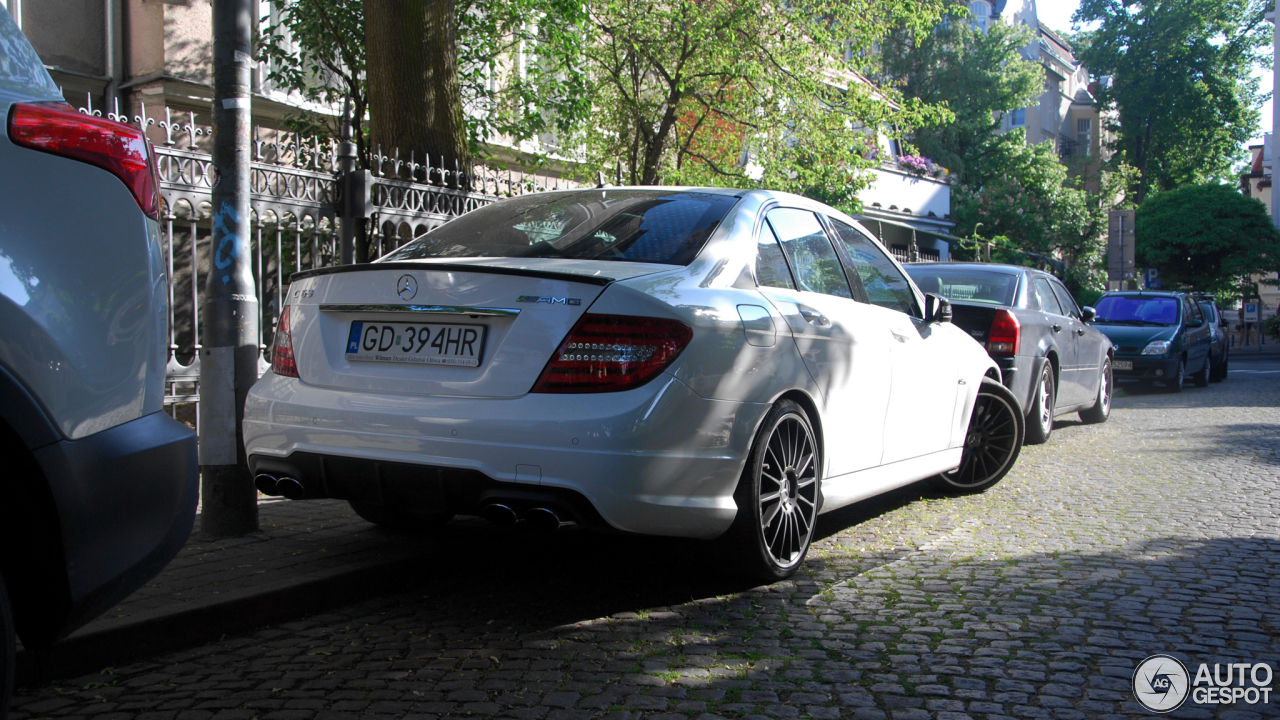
[407, 287]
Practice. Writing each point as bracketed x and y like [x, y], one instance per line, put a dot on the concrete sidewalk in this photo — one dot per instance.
[309, 556]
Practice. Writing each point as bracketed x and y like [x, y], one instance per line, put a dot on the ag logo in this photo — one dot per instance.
[1161, 683]
[407, 287]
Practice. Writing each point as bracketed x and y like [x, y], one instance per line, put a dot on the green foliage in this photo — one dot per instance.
[742, 92]
[1182, 89]
[519, 64]
[1206, 237]
[315, 49]
[1271, 326]
[976, 75]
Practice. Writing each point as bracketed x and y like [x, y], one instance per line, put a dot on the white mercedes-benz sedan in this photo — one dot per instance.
[690, 362]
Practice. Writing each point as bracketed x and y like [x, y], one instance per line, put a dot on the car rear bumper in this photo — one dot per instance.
[1144, 367]
[656, 460]
[126, 501]
[1018, 374]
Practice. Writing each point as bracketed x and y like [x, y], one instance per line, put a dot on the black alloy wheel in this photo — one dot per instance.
[8, 649]
[992, 442]
[1101, 408]
[1040, 415]
[777, 496]
[1206, 373]
[1174, 383]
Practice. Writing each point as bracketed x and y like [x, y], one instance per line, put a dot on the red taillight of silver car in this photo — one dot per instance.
[59, 129]
[1002, 338]
[282, 362]
[608, 353]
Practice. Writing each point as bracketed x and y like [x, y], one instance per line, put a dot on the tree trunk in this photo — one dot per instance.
[415, 103]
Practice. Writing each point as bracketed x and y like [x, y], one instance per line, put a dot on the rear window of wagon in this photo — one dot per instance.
[624, 225]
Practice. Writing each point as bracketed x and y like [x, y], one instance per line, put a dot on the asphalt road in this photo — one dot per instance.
[1156, 532]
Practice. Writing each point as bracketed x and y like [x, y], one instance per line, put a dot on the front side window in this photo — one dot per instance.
[817, 269]
[883, 282]
[623, 225]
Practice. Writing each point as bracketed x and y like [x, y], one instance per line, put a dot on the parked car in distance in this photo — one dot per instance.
[663, 361]
[1160, 337]
[1220, 343]
[101, 486]
[1049, 356]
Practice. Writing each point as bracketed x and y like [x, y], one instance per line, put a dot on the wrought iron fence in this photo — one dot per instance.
[297, 218]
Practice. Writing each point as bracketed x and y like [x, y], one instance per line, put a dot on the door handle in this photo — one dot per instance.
[899, 337]
[813, 317]
[1080, 332]
[1056, 328]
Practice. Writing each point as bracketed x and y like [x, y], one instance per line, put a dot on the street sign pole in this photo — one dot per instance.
[1275, 117]
[229, 351]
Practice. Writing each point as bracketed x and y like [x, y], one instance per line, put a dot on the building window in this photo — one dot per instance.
[1084, 135]
[1018, 118]
[979, 14]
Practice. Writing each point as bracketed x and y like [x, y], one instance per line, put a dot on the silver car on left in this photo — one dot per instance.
[99, 489]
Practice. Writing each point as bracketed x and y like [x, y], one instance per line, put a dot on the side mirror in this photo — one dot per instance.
[1087, 313]
[1195, 323]
[937, 309]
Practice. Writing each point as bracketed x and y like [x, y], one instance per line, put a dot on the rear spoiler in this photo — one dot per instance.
[454, 267]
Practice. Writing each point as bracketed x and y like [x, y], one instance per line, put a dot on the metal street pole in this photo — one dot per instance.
[1275, 119]
[229, 352]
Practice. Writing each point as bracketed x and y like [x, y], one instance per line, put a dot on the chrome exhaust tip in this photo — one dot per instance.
[290, 488]
[542, 519]
[499, 514]
[266, 484]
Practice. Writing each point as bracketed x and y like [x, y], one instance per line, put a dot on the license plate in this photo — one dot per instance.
[1122, 364]
[424, 344]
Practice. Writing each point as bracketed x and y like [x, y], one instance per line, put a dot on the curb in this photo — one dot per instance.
[86, 652]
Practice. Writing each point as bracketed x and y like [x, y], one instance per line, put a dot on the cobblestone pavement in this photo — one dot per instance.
[1155, 532]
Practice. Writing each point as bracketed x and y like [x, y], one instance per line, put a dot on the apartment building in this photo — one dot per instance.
[1256, 183]
[1065, 114]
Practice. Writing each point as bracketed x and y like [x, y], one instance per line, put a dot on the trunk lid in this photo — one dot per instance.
[519, 309]
[975, 320]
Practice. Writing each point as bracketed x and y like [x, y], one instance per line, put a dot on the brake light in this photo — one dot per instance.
[282, 362]
[1002, 338]
[121, 150]
[608, 353]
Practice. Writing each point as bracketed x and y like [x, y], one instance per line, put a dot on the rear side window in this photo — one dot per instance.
[1064, 298]
[771, 267]
[809, 249]
[883, 282]
[649, 226]
[1044, 294]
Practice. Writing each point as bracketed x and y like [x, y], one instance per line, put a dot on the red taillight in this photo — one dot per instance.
[1002, 338]
[282, 362]
[122, 150]
[607, 353]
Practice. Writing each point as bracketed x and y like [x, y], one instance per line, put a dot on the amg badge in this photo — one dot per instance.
[550, 300]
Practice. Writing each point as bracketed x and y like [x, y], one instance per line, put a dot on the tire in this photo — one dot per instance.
[399, 518]
[1174, 384]
[1101, 409]
[993, 441]
[777, 497]
[1205, 375]
[8, 650]
[1220, 370]
[1040, 415]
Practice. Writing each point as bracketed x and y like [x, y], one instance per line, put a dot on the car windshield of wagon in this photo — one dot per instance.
[624, 225]
[964, 284]
[1124, 310]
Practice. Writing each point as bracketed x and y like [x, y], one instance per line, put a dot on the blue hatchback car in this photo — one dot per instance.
[1160, 337]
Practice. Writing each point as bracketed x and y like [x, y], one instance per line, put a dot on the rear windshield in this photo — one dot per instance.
[1128, 310]
[964, 284]
[648, 226]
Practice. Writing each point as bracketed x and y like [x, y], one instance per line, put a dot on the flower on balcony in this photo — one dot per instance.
[915, 164]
